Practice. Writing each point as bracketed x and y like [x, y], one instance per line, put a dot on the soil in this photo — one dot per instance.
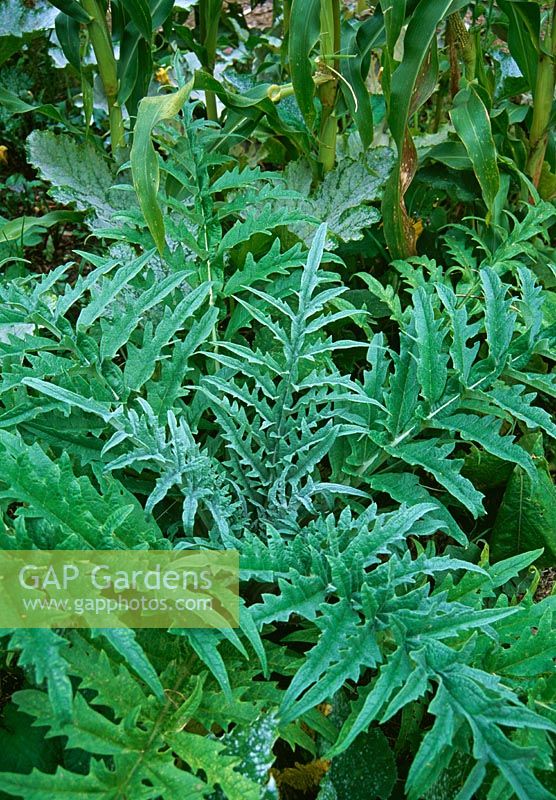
[546, 584]
[260, 16]
[58, 243]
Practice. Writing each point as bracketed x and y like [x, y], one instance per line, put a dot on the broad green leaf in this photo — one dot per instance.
[87, 728]
[371, 699]
[343, 199]
[140, 13]
[210, 757]
[129, 63]
[434, 457]
[357, 43]
[524, 36]
[72, 506]
[404, 392]
[526, 519]
[435, 752]
[432, 359]
[43, 650]
[412, 83]
[67, 31]
[499, 319]
[70, 398]
[99, 783]
[351, 774]
[141, 361]
[462, 354]
[530, 652]
[344, 648]
[73, 9]
[245, 108]
[160, 11]
[110, 288]
[13, 104]
[404, 487]
[303, 598]
[79, 174]
[123, 640]
[116, 332]
[304, 34]
[254, 744]
[18, 229]
[486, 432]
[205, 644]
[452, 154]
[512, 399]
[144, 159]
[472, 123]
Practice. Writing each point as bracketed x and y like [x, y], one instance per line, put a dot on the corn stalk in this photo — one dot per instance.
[101, 40]
[209, 20]
[328, 89]
[315, 22]
[543, 95]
